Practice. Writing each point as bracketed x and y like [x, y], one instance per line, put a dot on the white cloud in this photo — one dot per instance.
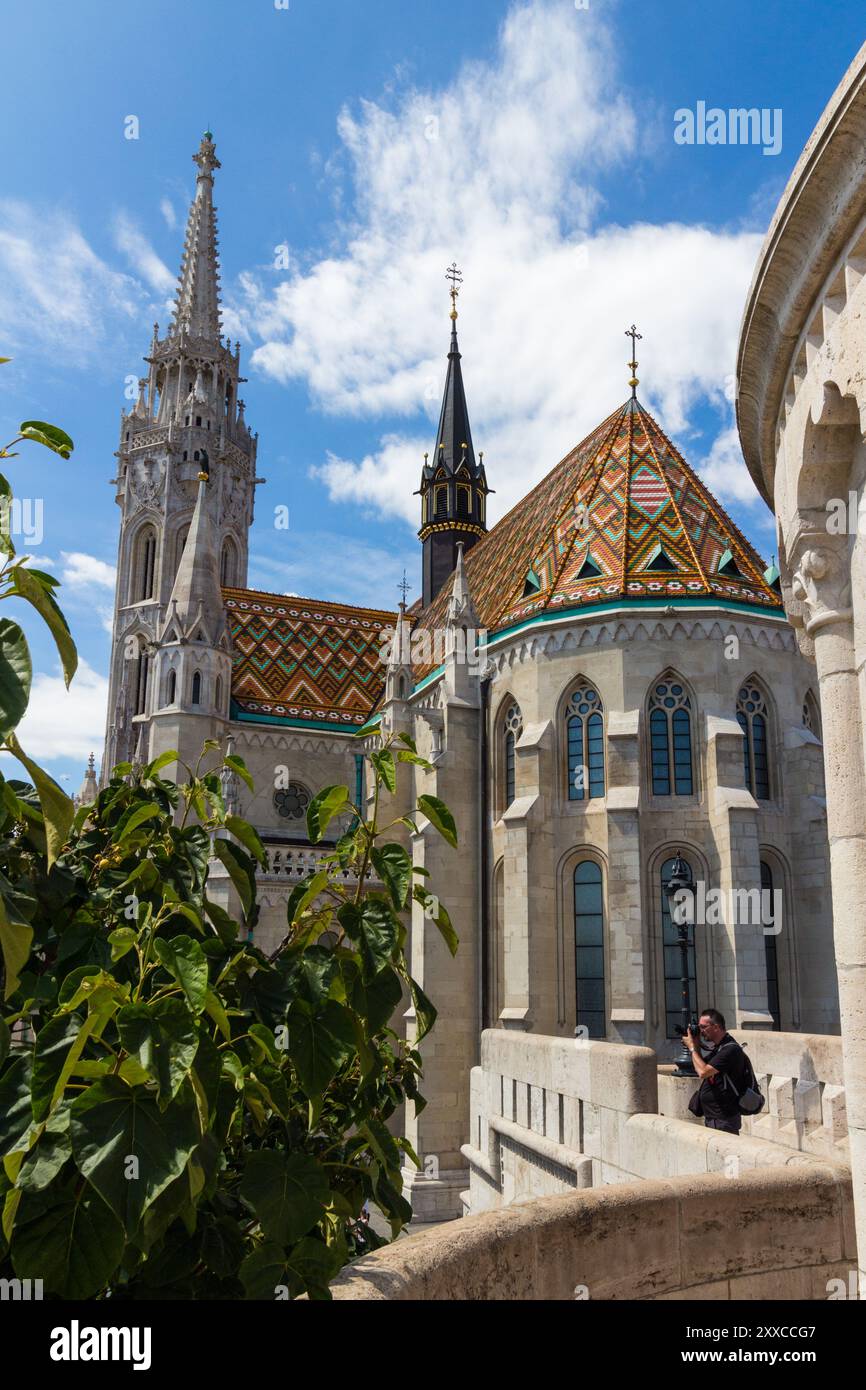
[141, 255]
[168, 213]
[502, 170]
[724, 471]
[84, 571]
[54, 289]
[62, 723]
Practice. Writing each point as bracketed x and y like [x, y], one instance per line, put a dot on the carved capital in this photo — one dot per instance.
[822, 584]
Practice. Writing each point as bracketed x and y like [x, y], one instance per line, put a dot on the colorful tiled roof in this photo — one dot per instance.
[305, 661]
[622, 517]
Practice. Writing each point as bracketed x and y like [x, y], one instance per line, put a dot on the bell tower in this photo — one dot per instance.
[188, 422]
[453, 484]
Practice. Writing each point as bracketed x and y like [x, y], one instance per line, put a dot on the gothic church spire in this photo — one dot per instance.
[197, 304]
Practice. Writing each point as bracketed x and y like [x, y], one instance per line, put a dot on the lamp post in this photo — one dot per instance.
[679, 889]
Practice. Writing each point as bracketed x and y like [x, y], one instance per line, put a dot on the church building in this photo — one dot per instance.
[604, 680]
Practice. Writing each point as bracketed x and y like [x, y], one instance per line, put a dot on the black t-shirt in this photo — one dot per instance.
[719, 1100]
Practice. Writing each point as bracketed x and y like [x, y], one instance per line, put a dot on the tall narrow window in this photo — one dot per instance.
[441, 496]
[196, 688]
[812, 715]
[670, 725]
[141, 670]
[589, 947]
[673, 958]
[513, 730]
[584, 726]
[768, 913]
[218, 694]
[228, 570]
[171, 688]
[145, 565]
[753, 720]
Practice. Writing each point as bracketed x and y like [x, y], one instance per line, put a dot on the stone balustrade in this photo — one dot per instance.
[550, 1115]
[774, 1234]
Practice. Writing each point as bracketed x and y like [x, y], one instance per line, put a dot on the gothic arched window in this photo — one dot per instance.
[171, 687]
[513, 730]
[141, 672]
[589, 947]
[812, 715]
[753, 719]
[196, 689]
[144, 566]
[584, 725]
[670, 727]
[218, 694]
[228, 569]
[768, 918]
[179, 545]
[673, 956]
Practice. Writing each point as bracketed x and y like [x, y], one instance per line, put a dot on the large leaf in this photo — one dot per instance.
[44, 1161]
[394, 868]
[440, 817]
[185, 960]
[163, 1040]
[248, 837]
[16, 938]
[239, 766]
[133, 818]
[323, 808]
[30, 585]
[57, 809]
[111, 1124]
[319, 1041]
[16, 1112]
[71, 1241]
[383, 762]
[50, 1054]
[238, 871]
[49, 435]
[287, 1192]
[16, 675]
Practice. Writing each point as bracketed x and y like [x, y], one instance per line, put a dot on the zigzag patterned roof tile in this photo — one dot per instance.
[621, 517]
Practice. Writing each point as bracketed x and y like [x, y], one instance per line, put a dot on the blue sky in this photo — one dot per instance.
[378, 142]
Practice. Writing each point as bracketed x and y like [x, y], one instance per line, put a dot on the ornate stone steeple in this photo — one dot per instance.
[187, 421]
[197, 305]
[453, 484]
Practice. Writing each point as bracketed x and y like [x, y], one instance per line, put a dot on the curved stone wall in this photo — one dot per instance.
[773, 1233]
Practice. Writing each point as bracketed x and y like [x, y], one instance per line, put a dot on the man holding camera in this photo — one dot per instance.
[724, 1073]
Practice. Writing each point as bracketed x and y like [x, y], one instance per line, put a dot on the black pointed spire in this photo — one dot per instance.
[453, 484]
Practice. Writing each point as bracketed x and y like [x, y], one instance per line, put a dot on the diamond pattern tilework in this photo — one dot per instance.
[304, 659]
[620, 494]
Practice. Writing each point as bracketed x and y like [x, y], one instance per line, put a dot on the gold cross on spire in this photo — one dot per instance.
[456, 278]
[631, 332]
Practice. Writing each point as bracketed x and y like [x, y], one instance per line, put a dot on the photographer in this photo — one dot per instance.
[715, 1099]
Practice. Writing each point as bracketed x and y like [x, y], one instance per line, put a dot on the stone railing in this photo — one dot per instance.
[290, 863]
[778, 1233]
[801, 1077]
[548, 1115]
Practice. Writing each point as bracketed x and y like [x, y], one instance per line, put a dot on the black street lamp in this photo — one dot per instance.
[679, 890]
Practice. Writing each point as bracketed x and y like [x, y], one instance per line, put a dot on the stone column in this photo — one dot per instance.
[821, 583]
[624, 880]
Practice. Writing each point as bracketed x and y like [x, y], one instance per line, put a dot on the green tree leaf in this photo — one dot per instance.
[248, 837]
[320, 1039]
[16, 939]
[394, 868]
[239, 766]
[185, 960]
[238, 870]
[323, 808]
[28, 585]
[287, 1192]
[383, 762]
[57, 809]
[162, 1038]
[439, 817]
[71, 1241]
[49, 435]
[112, 1123]
[16, 675]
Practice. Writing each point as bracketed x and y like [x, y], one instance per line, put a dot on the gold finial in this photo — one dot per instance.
[456, 278]
[203, 478]
[633, 382]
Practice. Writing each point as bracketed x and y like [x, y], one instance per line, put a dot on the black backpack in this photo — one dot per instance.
[750, 1100]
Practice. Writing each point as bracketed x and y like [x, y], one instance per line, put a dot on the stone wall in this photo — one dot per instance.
[551, 1115]
[774, 1234]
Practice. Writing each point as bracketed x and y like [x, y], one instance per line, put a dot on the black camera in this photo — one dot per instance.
[692, 1028]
